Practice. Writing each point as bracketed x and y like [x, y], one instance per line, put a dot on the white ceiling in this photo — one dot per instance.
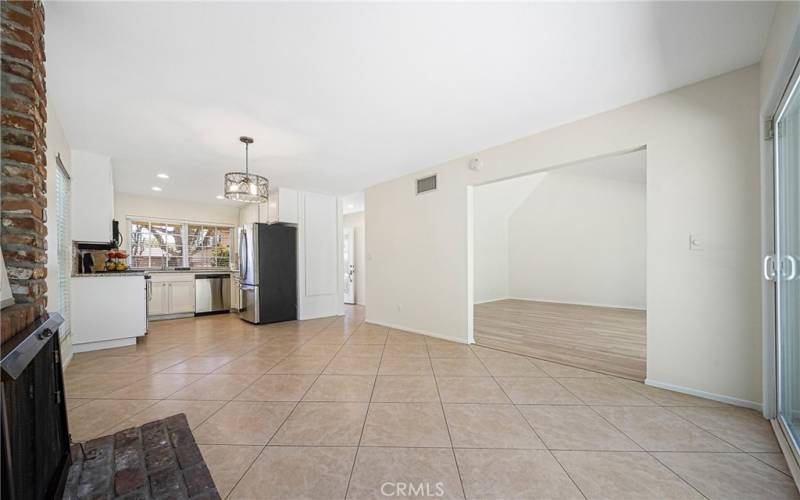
[342, 96]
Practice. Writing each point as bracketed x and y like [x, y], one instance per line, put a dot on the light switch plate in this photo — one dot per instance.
[696, 243]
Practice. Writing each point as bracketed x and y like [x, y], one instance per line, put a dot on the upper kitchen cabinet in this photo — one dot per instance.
[283, 206]
[92, 189]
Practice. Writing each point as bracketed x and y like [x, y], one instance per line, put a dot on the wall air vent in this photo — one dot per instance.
[426, 184]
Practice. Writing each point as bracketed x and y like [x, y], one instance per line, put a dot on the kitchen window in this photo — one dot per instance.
[158, 244]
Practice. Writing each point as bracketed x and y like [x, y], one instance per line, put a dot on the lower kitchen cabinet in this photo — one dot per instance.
[171, 294]
[181, 297]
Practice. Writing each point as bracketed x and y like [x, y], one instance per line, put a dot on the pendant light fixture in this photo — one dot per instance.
[244, 186]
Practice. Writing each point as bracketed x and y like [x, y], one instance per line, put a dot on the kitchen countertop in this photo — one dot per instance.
[190, 271]
[120, 274]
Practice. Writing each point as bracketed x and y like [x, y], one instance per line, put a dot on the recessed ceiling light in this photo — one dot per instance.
[155, 188]
[162, 176]
[349, 205]
[220, 197]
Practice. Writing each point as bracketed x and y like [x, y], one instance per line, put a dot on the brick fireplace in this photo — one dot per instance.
[24, 166]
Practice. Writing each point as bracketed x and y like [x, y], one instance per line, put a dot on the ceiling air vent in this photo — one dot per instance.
[426, 184]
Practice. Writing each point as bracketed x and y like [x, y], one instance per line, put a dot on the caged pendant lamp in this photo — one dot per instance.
[244, 186]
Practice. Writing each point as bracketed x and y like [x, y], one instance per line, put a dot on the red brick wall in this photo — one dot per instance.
[24, 166]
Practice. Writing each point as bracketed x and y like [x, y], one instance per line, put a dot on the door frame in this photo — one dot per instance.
[787, 76]
[352, 261]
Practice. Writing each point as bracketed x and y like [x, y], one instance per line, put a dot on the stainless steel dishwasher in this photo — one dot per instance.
[212, 293]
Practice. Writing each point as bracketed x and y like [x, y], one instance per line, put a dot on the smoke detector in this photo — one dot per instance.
[475, 164]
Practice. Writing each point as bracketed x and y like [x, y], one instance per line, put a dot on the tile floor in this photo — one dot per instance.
[339, 408]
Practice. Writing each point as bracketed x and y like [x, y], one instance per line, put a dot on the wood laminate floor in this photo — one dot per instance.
[603, 339]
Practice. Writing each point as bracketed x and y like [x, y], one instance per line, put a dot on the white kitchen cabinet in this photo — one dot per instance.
[92, 187]
[172, 294]
[234, 291]
[181, 297]
[106, 311]
[283, 206]
[159, 299]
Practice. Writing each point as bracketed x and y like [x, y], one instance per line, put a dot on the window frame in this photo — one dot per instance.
[184, 235]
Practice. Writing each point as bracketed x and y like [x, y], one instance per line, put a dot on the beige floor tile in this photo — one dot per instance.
[249, 365]
[657, 429]
[470, 390]
[401, 337]
[663, 397]
[73, 403]
[459, 367]
[91, 419]
[512, 366]
[391, 472]
[536, 390]
[743, 428]
[243, 423]
[603, 391]
[405, 366]
[319, 350]
[289, 472]
[200, 364]
[405, 424]
[228, 463]
[730, 475]
[157, 386]
[450, 350]
[575, 428]
[507, 474]
[215, 387]
[565, 371]
[323, 424]
[489, 426]
[196, 412]
[341, 388]
[410, 350]
[301, 365]
[277, 387]
[361, 351]
[405, 389]
[486, 352]
[105, 364]
[98, 385]
[367, 338]
[344, 365]
[775, 460]
[623, 475]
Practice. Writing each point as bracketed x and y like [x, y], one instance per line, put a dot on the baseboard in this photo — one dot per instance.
[491, 300]
[421, 332]
[162, 317]
[103, 344]
[703, 394]
[589, 304]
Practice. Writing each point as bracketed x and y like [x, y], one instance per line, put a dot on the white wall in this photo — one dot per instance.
[355, 221]
[494, 203]
[56, 145]
[580, 239]
[704, 309]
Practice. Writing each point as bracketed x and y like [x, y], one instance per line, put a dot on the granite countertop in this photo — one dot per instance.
[113, 274]
[188, 271]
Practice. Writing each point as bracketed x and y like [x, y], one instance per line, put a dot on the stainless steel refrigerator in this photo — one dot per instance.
[267, 272]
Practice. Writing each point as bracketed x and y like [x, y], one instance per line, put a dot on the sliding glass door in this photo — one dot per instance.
[785, 270]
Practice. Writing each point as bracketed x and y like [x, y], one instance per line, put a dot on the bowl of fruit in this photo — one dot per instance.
[116, 261]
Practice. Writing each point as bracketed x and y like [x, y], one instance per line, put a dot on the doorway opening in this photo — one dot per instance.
[353, 251]
[559, 265]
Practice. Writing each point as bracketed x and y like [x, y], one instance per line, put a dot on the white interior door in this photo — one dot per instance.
[349, 268]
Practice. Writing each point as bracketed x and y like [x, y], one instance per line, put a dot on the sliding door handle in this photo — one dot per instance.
[769, 268]
[792, 274]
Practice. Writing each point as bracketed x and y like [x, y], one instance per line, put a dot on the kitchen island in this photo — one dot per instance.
[107, 310]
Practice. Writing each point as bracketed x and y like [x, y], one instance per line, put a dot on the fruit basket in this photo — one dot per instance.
[116, 261]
